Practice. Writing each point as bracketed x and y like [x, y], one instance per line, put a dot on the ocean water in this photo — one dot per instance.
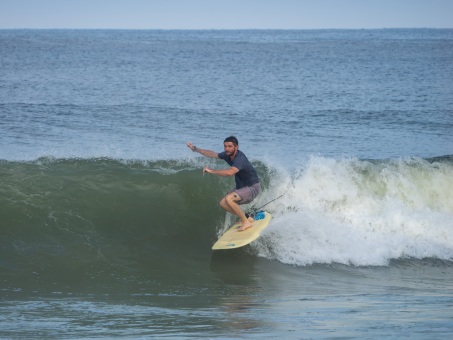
[107, 221]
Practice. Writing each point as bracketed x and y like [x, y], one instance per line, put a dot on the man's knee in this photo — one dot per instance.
[229, 199]
[232, 198]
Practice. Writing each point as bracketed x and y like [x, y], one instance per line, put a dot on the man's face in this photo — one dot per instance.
[229, 148]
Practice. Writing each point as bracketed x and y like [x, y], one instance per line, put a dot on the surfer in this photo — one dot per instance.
[247, 181]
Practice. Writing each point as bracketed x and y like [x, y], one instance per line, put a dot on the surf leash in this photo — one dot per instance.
[252, 212]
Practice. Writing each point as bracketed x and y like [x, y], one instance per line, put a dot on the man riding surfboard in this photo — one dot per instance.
[247, 181]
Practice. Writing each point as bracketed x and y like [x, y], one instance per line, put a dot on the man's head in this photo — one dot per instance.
[231, 139]
[230, 145]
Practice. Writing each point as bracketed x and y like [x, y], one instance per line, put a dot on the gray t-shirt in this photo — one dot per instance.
[246, 176]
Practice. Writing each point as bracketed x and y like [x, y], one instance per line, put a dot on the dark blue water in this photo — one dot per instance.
[107, 222]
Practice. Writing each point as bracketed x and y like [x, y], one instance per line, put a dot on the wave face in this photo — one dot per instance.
[100, 216]
[90, 214]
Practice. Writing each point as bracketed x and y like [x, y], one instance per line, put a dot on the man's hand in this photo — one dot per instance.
[191, 146]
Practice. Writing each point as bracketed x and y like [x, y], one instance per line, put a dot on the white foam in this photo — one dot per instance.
[361, 213]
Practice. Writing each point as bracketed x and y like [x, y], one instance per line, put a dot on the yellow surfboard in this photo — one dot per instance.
[233, 238]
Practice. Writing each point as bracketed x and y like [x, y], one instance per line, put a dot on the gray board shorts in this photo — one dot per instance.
[247, 194]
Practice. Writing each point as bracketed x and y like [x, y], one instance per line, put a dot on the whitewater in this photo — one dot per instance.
[363, 213]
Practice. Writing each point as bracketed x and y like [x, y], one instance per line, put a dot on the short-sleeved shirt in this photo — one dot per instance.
[246, 176]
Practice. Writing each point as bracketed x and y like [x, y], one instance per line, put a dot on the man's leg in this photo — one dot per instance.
[229, 203]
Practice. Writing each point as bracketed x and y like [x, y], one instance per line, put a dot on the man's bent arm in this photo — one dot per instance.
[225, 172]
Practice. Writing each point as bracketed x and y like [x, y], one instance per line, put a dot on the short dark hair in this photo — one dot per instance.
[232, 139]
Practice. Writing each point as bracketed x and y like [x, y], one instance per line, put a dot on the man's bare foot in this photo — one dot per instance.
[250, 219]
[245, 226]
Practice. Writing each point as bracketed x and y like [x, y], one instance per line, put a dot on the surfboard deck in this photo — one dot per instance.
[233, 238]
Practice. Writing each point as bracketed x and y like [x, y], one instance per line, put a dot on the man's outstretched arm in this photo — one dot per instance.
[206, 153]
